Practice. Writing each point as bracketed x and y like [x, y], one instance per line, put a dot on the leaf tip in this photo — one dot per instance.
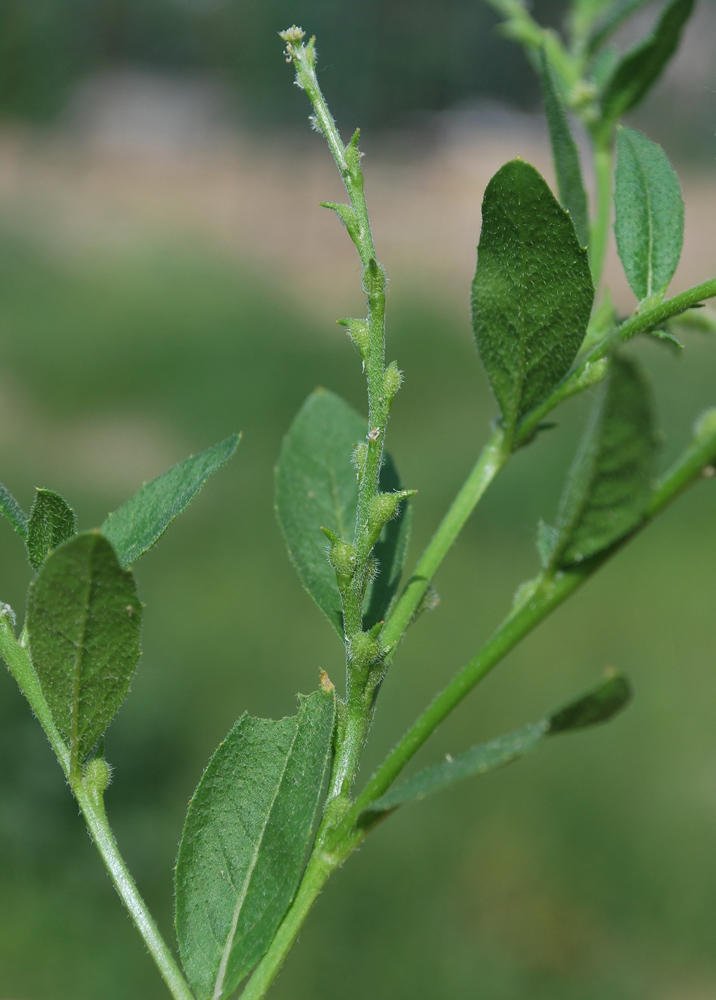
[326, 683]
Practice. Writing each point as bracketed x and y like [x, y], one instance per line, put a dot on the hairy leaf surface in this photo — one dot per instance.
[532, 293]
[640, 68]
[83, 623]
[140, 522]
[316, 487]
[649, 222]
[610, 480]
[247, 831]
[51, 522]
[565, 153]
[11, 509]
[598, 705]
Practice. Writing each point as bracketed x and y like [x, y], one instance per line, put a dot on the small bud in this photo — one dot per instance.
[353, 155]
[97, 776]
[383, 508]
[366, 648]
[347, 216]
[373, 278]
[705, 426]
[594, 372]
[360, 454]
[392, 381]
[294, 35]
[359, 333]
[342, 557]
[7, 612]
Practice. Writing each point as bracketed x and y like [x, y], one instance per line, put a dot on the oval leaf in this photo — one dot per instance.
[316, 488]
[245, 839]
[640, 68]
[564, 153]
[649, 222]
[140, 522]
[51, 522]
[599, 704]
[83, 623]
[532, 294]
[610, 480]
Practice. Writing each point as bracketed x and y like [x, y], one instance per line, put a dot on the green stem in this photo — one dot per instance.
[319, 868]
[20, 665]
[96, 820]
[648, 316]
[546, 596]
[351, 738]
[603, 198]
[493, 457]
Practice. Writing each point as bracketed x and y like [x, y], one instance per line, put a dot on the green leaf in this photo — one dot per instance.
[247, 831]
[564, 152]
[316, 488]
[51, 522]
[140, 522]
[532, 293]
[599, 704]
[83, 623]
[640, 68]
[610, 480]
[13, 512]
[649, 210]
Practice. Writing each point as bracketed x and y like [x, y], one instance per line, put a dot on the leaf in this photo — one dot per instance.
[565, 153]
[316, 488]
[532, 293]
[13, 512]
[640, 68]
[649, 223]
[610, 480]
[599, 704]
[667, 338]
[51, 522]
[83, 623]
[140, 522]
[247, 831]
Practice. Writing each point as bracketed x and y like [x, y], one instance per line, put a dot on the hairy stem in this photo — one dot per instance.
[96, 820]
[351, 739]
[20, 665]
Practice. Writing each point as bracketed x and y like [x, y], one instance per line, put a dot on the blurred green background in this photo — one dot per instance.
[165, 279]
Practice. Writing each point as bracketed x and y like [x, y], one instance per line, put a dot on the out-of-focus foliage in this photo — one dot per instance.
[395, 55]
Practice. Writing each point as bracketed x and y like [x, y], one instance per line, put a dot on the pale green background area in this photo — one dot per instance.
[586, 871]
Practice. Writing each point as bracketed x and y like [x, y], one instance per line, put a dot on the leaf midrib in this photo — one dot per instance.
[230, 938]
[79, 657]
